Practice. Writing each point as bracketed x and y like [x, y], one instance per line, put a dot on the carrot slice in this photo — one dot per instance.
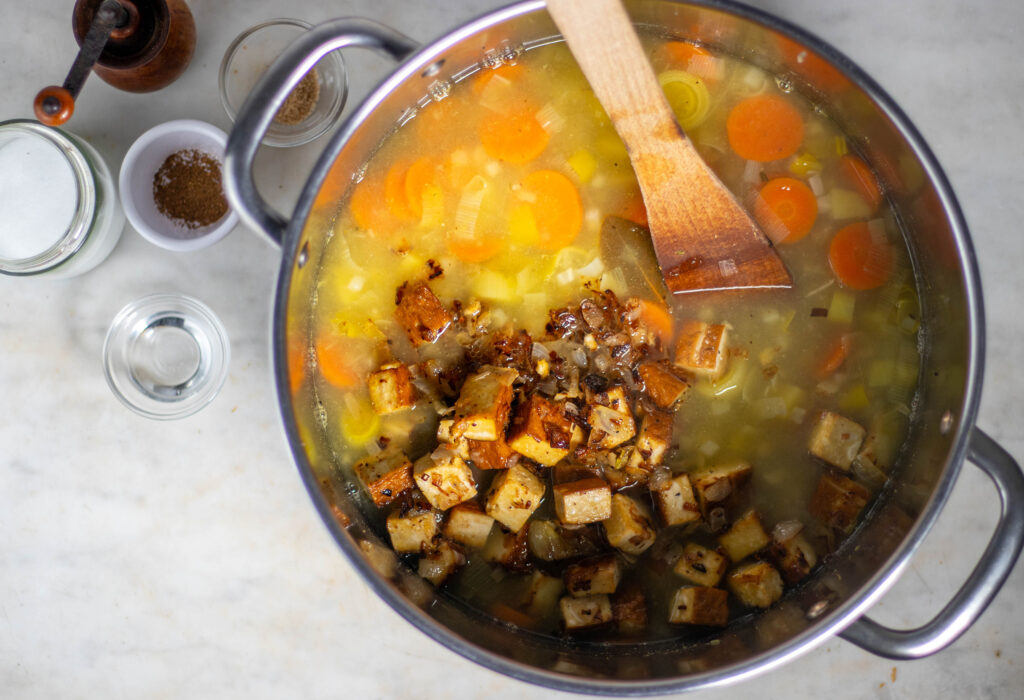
[764, 128]
[786, 209]
[858, 175]
[515, 136]
[509, 71]
[634, 208]
[368, 209]
[657, 318]
[296, 363]
[692, 58]
[333, 359]
[394, 192]
[556, 207]
[421, 174]
[836, 356]
[857, 259]
[475, 249]
[818, 72]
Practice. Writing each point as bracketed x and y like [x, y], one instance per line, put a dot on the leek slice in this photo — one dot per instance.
[687, 95]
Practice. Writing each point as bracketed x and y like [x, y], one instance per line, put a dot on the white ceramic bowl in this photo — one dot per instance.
[140, 164]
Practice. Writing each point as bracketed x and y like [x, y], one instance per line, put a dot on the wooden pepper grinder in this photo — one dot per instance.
[134, 45]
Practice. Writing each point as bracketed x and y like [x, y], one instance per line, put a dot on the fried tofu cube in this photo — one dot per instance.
[756, 585]
[541, 431]
[444, 478]
[675, 501]
[629, 610]
[838, 501]
[421, 314]
[716, 484]
[581, 613]
[835, 439]
[385, 475]
[412, 532]
[515, 493]
[391, 388]
[701, 348]
[481, 411]
[438, 565]
[745, 537]
[610, 419]
[702, 566]
[794, 557]
[585, 501]
[593, 577]
[699, 605]
[665, 384]
[542, 594]
[508, 549]
[468, 525]
[628, 529]
[653, 440]
[491, 454]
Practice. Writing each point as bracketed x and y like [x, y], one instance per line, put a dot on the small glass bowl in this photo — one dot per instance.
[249, 56]
[166, 356]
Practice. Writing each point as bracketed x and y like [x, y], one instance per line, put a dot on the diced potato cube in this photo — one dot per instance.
[716, 484]
[653, 440]
[664, 384]
[541, 431]
[381, 558]
[593, 577]
[628, 529]
[610, 419]
[542, 594]
[550, 541]
[580, 613]
[481, 411]
[492, 454]
[836, 439]
[412, 532]
[838, 501]
[508, 549]
[515, 493]
[385, 475]
[701, 565]
[468, 525]
[585, 501]
[699, 605]
[756, 585]
[421, 314]
[438, 565]
[629, 610]
[745, 537]
[444, 478]
[795, 557]
[675, 501]
[701, 348]
[391, 388]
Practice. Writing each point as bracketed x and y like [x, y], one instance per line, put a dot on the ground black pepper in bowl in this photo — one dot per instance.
[188, 189]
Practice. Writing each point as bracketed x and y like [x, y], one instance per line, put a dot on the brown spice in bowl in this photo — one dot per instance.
[188, 189]
[301, 101]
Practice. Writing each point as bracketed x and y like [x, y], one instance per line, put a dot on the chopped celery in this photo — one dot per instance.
[841, 308]
[847, 204]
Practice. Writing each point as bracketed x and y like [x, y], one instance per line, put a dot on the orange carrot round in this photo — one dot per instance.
[859, 261]
[421, 174]
[509, 71]
[786, 209]
[634, 208]
[692, 58]
[836, 356]
[657, 317]
[333, 359]
[764, 128]
[476, 249]
[515, 136]
[858, 175]
[368, 208]
[394, 192]
[556, 206]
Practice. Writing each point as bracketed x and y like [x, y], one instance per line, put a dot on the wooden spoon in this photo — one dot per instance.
[703, 238]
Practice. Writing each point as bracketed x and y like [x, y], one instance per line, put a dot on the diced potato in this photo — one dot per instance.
[745, 537]
[391, 388]
[444, 478]
[585, 501]
[515, 493]
[550, 541]
[580, 613]
[385, 475]
[795, 557]
[716, 484]
[542, 594]
[481, 411]
[492, 454]
[593, 577]
[507, 549]
[653, 440]
[541, 431]
[838, 501]
[664, 384]
[438, 565]
[702, 566]
[468, 525]
[421, 314]
[412, 532]
[699, 605]
[610, 419]
[675, 501]
[628, 529]
[836, 439]
[629, 610]
[381, 558]
[756, 585]
[701, 348]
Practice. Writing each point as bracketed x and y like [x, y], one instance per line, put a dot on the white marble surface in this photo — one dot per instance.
[184, 559]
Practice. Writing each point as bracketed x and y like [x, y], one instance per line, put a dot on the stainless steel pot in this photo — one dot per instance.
[942, 434]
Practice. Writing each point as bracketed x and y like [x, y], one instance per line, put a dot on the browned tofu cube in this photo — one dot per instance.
[413, 532]
[675, 501]
[629, 610]
[628, 528]
[745, 537]
[610, 419]
[593, 577]
[665, 384]
[468, 525]
[444, 478]
[385, 475]
[481, 411]
[391, 388]
[585, 501]
[838, 501]
[701, 348]
[549, 540]
[715, 485]
[438, 565]
[756, 585]
[835, 439]
[699, 605]
[653, 440]
[794, 557]
[581, 613]
[515, 493]
[701, 565]
[420, 313]
[542, 594]
[541, 431]
[508, 549]
[492, 454]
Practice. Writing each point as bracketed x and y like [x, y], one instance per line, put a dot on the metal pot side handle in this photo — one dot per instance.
[981, 586]
[270, 92]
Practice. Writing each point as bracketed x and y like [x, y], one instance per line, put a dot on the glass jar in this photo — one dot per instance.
[59, 212]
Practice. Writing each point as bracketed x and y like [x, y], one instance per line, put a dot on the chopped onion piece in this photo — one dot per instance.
[468, 211]
[786, 530]
[550, 118]
[709, 448]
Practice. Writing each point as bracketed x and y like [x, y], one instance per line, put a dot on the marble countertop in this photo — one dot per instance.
[183, 559]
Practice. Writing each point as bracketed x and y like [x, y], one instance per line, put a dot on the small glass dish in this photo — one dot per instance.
[166, 356]
[249, 56]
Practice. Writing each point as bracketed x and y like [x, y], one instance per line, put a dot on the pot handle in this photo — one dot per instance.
[270, 92]
[984, 582]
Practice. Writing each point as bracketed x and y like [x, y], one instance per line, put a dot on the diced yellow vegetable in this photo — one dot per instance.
[856, 399]
[583, 164]
[847, 204]
[804, 164]
[359, 422]
[841, 308]
[522, 227]
[493, 286]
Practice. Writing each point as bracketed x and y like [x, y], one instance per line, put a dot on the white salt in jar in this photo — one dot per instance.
[59, 212]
